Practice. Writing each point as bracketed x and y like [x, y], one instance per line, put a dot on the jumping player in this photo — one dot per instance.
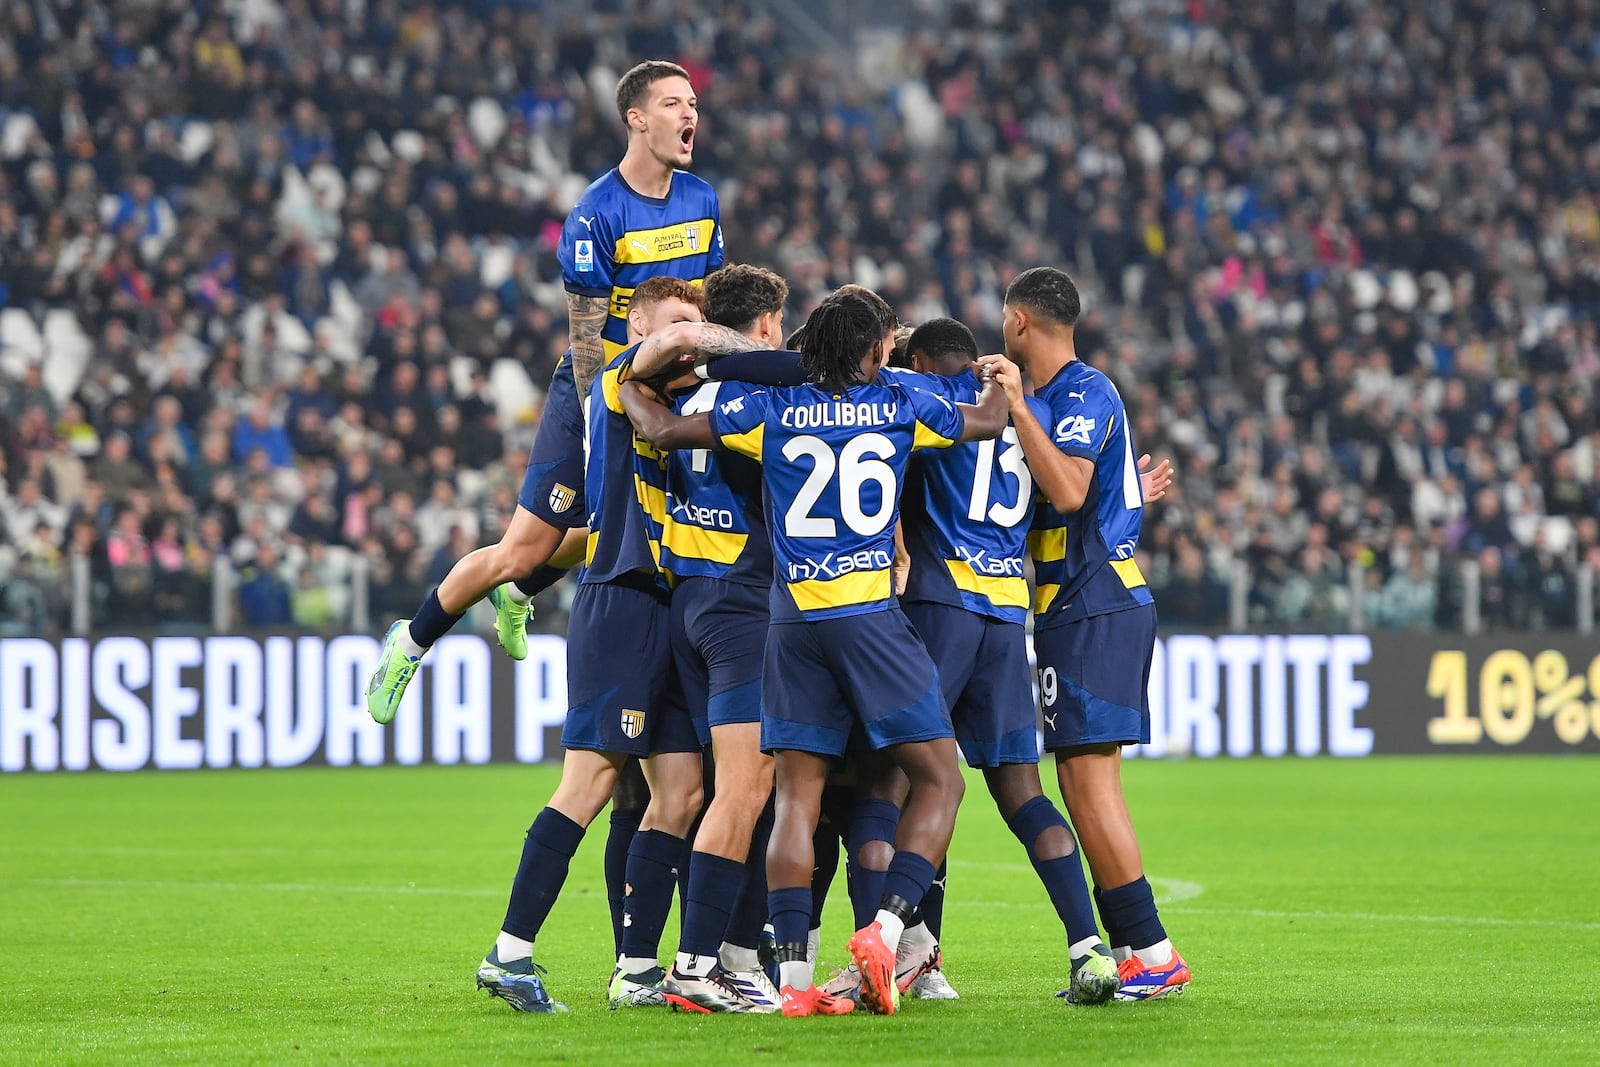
[842, 655]
[1095, 620]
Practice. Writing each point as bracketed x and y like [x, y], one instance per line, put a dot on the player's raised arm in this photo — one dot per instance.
[686, 342]
[1063, 479]
[657, 423]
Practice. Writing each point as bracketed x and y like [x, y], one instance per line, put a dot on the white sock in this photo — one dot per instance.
[918, 939]
[813, 945]
[637, 964]
[517, 596]
[893, 927]
[508, 948]
[1121, 952]
[1157, 955]
[699, 966]
[739, 958]
[796, 974]
[1079, 949]
[408, 644]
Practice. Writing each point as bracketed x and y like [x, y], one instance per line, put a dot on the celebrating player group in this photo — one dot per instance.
[803, 569]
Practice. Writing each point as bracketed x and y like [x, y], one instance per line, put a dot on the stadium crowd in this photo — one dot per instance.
[278, 278]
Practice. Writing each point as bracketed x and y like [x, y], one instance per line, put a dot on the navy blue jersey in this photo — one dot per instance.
[615, 238]
[625, 486]
[716, 526]
[832, 470]
[966, 516]
[1084, 562]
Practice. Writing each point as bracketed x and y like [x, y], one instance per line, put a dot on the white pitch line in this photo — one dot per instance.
[270, 887]
[1367, 916]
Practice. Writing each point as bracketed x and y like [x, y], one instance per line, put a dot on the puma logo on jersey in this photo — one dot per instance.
[1050, 720]
[586, 222]
[1074, 428]
[640, 245]
[1081, 397]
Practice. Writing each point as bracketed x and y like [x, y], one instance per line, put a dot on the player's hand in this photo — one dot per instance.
[1155, 481]
[647, 391]
[1004, 373]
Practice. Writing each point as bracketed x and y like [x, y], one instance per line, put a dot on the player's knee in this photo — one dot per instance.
[630, 791]
[876, 855]
[1013, 785]
[1054, 843]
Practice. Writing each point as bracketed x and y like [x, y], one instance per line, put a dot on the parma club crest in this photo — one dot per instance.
[562, 497]
[632, 722]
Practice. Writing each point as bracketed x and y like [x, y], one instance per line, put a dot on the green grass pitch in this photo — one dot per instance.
[1437, 910]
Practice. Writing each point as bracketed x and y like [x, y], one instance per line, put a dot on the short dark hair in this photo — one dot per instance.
[740, 293]
[1047, 292]
[632, 87]
[900, 354]
[943, 337]
[666, 287]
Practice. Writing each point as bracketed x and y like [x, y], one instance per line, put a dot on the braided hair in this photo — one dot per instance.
[839, 334]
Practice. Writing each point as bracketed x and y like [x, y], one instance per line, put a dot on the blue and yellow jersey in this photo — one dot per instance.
[615, 238]
[966, 515]
[716, 526]
[832, 469]
[624, 484]
[1083, 562]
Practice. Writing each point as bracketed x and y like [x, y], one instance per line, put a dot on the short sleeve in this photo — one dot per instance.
[1082, 417]
[587, 251]
[939, 423]
[610, 381]
[738, 422]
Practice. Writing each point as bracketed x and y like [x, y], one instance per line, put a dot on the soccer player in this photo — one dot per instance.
[716, 549]
[641, 219]
[646, 217]
[1094, 617]
[619, 684]
[841, 654]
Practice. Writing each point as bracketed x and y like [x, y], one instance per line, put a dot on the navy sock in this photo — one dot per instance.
[431, 622]
[907, 878]
[540, 580]
[546, 855]
[791, 915]
[715, 886]
[933, 902]
[825, 846]
[1063, 876]
[1114, 936]
[874, 820]
[624, 824]
[1131, 909]
[750, 913]
[653, 864]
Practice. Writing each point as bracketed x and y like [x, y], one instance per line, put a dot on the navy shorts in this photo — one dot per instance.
[621, 690]
[553, 486]
[719, 641]
[1094, 679]
[824, 678]
[987, 684]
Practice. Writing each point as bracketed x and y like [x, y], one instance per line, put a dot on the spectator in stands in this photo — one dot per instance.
[260, 432]
[263, 593]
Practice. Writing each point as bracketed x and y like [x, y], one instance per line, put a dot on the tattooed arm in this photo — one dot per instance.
[701, 339]
[586, 318]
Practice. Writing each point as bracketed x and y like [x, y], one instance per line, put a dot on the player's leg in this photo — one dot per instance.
[805, 724]
[629, 797]
[528, 543]
[508, 971]
[894, 689]
[1093, 706]
[661, 847]
[869, 842]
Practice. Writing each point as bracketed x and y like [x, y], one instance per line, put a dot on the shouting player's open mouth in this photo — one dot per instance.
[686, 138]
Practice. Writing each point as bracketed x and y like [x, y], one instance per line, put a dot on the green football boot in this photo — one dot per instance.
[510, 622]
[393, 673]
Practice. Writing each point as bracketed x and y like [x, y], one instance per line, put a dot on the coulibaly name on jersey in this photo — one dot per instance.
[839, 413]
